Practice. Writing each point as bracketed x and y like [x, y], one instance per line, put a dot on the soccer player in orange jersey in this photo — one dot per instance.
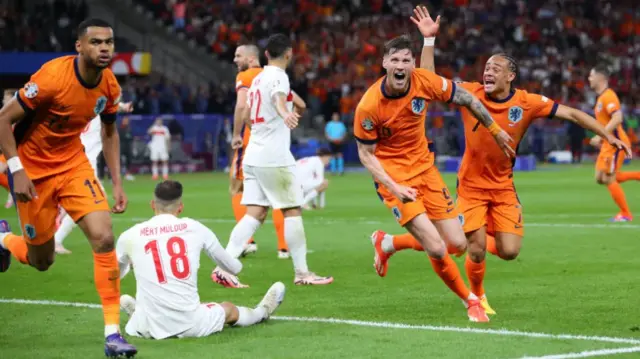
[389, 127]
[487, 199]
[48, 166]
[610, 159]
[247, 58]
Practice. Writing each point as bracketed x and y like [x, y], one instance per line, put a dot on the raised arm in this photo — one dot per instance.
[584, 120]
[428, 28]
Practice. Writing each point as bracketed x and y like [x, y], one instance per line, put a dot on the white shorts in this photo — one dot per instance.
[210, 319]
[159, 154]
[275, 187]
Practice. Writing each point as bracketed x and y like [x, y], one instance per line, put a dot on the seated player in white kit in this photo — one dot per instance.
[159, 148]
[91, 139]
[310, 171]
[165, 255]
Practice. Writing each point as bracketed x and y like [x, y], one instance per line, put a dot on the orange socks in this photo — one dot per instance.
[278, 223]
[106, 275]
[18, 247]
[448, 271]
[475, 273]
[4, 181]
[491, 246]
[406, 241]
[239, 210]
[618, 196]
[627, 176]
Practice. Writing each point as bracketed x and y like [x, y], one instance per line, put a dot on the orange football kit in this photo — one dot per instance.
[243, 81]
[396, 125]
[58, 105]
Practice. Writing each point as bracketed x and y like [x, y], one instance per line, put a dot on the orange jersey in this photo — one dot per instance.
[59, 105]
[397, 123]
[243, 81]
[606, 105]
[484, 165]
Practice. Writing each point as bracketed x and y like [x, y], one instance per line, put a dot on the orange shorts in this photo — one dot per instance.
[498, 209]
[77, 191]
[236, 164]
[609, 160]
[433, 198]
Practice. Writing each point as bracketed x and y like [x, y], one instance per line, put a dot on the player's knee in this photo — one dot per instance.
[103, 242]
[230, 311]
[42, 264]
[509, 254]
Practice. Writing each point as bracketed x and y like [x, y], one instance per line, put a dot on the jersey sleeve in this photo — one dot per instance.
[217, 253]
[39, 91]
[242, 81]
[611, 103]
[435, 87]
[542, 106]
[279, 85]
[114, 95]
[365, 124]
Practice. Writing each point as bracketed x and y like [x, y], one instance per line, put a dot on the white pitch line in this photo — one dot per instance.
[387, 325]
[589, 354]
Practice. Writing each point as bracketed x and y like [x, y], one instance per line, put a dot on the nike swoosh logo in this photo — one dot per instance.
[98, 202]
[449, 210]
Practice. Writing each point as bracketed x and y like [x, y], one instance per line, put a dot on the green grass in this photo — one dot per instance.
[577, 274]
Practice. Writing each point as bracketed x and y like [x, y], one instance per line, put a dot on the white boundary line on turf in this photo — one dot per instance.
[589, 354]
[322, 221]
[386, 325]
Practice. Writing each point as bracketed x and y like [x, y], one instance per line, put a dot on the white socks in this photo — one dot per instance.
[66, 226]
[241, 234]
[165, 169]
[111, 329]
[387, 244]
[321, 199]
[248, 316]
[297, 242]
[154, 169]
[310, 196]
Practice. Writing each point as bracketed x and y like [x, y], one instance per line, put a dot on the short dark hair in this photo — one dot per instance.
[324, 152]
[602, 69]
[93, 22]
[277, 45]
[168, 191]
[399, 43]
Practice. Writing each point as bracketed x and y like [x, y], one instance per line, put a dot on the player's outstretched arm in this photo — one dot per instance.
[366, 152]
[290, 118]
[218, 254]
[428, 28]
[464, 98]
[591, 124]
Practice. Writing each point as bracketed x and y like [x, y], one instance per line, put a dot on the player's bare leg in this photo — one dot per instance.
[451, 232]
[617, 193]
[475, 265]
[296, 240]
[242, 232]
[98, 230]
[427, 234]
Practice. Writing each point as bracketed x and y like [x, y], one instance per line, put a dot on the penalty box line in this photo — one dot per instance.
[386, 325]
[588, 353]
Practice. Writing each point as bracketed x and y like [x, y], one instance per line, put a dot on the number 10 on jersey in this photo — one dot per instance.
[255, 116]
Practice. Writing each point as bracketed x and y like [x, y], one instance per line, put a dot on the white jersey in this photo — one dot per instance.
[159, 137]
[165, 255]
[91, 138]
[270, 141]
[310, 169]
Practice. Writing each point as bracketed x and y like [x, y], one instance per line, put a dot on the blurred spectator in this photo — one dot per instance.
[336, 133]
[126, 147]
